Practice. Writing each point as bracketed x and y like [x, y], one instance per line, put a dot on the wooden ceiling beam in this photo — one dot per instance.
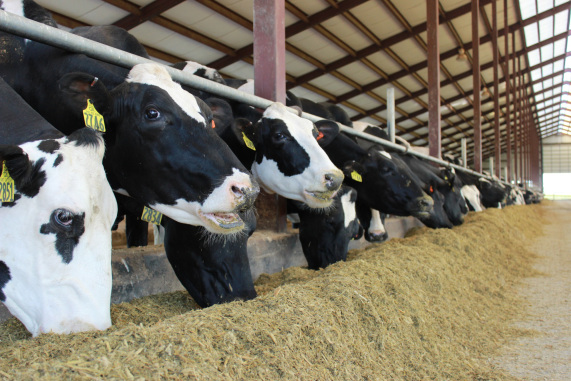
[148, 12]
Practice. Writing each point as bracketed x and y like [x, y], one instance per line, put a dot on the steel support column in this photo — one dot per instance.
[516, 108]
[507, 76]
[269, 83]
[477, 86]
[434, 133]
[497, 150]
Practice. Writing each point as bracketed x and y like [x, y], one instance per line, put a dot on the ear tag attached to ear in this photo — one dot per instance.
[6, 185]
[213, 124]
[151, 216]
[93, 119]
[248, 142]
[319, 136]
[356, 176]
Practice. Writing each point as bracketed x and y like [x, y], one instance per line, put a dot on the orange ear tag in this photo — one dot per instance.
[431, 189]
[320, 136]
[213, 124]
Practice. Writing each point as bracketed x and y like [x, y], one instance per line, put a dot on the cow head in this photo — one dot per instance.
[493, 193]
[289, 160]
[162, 150]
[454, 203]
[212, 270]
[55, 238]
[373, 223]
[471, 194]
[325, 235]
[382, 179]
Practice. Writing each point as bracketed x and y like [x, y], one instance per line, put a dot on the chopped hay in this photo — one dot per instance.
[434, 305]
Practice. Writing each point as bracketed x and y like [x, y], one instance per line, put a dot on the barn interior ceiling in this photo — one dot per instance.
[349, 52]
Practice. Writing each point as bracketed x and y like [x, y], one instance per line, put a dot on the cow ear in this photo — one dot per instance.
[222, 114]
[20, 168]
[353, 170]
[246, 132]
[328, 131]
[77, 88]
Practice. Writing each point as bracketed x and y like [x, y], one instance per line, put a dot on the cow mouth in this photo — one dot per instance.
[224, 222]
[422, 214]
[321, 197]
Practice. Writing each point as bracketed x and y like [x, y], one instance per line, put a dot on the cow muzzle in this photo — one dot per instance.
[421, 206]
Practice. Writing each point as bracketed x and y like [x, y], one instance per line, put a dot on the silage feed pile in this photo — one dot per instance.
[434, 305]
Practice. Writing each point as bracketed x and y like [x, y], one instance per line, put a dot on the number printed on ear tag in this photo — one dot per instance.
[93, 119]
[152, 216]
[356, 176]
[248, 142]
[6, 185]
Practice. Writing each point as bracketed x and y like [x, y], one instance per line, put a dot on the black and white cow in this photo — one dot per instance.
[325, 234]
[373, 223]
[382, 181]
[492, 193]
[55, 236]
[161, 149]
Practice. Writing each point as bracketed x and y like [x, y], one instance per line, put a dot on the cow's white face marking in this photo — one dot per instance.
[247, 87]
[218, 212]
[156, 75]
[361, 126]
[309, 186]
[472, 196]
[348, 209]
[386, 154]
[193, 67]
[44, 292]
[376, 226]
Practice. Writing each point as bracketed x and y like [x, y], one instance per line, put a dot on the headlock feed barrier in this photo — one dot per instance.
[46, 34]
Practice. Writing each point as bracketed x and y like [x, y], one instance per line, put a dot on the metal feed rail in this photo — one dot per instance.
[46, 34]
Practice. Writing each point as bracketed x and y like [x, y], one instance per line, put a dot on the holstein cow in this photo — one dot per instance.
[159, 142]
[373, 223]
[449, 206]
[492, 193]
[325, 234]
[55, 235]
[213, 268]
[382, 181]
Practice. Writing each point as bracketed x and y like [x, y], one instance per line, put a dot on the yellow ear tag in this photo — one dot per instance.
[356, 176]
[93, 119]
[248, 142]
[6, 185]
[151, 216]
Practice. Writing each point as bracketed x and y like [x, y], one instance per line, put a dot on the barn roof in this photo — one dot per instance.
[349, 52]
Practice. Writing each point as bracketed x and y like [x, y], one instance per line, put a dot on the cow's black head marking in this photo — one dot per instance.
[28, 175]
[68, 228]
[280, 146]
[4, 278]
[49, 146]
[58, 160]
[13, 203]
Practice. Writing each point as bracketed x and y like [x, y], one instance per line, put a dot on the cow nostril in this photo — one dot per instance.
[237, 191]
[332, 181]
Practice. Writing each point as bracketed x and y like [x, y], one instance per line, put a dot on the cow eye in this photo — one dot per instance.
[280, 136]
[63, 217]
[152, 113]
